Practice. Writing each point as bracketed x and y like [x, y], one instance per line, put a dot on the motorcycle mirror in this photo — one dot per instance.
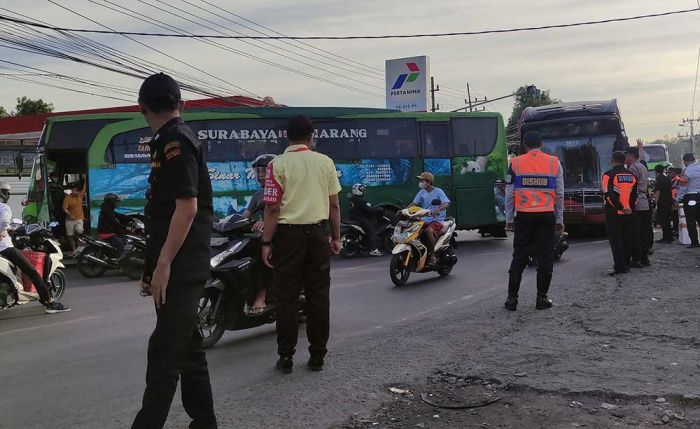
[53, 224]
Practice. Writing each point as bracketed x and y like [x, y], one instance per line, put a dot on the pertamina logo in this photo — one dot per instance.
[407, 77]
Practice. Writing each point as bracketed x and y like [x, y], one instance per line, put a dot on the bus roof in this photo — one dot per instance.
[573, 109]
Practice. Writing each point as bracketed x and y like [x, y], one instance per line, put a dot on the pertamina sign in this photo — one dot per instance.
[407, 84]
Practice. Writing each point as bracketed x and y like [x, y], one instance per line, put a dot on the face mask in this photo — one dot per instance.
[422, 185]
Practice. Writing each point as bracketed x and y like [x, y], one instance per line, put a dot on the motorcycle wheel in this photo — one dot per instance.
[87, 268]
[131, 269]
[349, 248]
[398, 272]
[211, 318]
[57, 284]
[445, 270]
[388, 243]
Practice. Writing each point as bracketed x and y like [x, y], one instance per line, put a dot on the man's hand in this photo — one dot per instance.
[159, 283]
[509, 226]
[336, 246]
[559, 228]
[258, 226]
[627, 211]
[436, 212]
[640, 143]
[267, 256]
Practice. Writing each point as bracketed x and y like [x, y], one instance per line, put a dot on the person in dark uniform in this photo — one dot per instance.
[663, 195]
[366, 216]
[535, 212]
[301, 196]
[620, 192]
[179, 216]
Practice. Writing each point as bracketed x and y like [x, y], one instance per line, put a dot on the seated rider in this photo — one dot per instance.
[111, 226]
[366, 216]
[9, 252]
[255, 211]
[424, 199]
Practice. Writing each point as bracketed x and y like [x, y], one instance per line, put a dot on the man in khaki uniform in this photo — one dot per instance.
[301, 195]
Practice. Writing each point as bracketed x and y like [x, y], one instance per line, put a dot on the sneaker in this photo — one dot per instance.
[376, 252]
[315, 364]
[56, 307]
[285, 364]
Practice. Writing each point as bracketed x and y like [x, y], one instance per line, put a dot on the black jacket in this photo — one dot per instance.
[361, 209]
[111, 222]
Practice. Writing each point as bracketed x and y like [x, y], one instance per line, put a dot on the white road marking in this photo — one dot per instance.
[49, 325]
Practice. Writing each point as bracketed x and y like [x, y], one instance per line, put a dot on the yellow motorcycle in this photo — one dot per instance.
[411, 255]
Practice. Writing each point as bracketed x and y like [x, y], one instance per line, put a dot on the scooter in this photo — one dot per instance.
[38, 239]
[410, 254]
[96, 256]
[354, 238]
[236, 271]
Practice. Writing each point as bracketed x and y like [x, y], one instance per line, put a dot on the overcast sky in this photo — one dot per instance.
[648, 65]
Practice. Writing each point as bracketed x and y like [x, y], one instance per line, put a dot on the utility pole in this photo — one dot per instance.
[469, 97]
[691, 122]
[433, 90]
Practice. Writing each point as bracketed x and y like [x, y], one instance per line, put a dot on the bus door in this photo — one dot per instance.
[436, 154]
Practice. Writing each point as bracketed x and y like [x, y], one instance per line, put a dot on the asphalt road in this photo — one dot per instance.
[85, 369]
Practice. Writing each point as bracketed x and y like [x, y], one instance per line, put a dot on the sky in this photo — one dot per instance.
[648, 65]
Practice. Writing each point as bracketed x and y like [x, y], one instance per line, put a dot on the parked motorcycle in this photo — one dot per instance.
[354, 238]
[38, 239]
[96, 256]
[560, 247]
[410, 254]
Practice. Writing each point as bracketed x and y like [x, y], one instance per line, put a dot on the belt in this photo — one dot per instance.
[321, 224]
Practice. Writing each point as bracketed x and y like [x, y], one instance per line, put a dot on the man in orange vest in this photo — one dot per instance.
[535, 212]
[620, 188]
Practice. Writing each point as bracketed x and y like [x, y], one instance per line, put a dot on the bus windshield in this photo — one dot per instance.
[655, 153]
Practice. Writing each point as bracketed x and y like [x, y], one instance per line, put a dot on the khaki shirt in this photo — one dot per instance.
[301, 181]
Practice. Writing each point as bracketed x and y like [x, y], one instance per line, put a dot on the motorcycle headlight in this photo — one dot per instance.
[217, 259]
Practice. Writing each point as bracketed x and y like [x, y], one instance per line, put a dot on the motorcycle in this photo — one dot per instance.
[560, 247]
[38, 239]
[96, 256]
[354, 238]
[410, 254]
[236, 270]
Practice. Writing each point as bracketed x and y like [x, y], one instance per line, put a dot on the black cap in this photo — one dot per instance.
[618, 157]
[159, 87]
[532, 139]
[689, 157]
[299, 128]
[634, 151]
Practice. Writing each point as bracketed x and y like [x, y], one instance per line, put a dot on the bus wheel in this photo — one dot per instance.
[398, 271]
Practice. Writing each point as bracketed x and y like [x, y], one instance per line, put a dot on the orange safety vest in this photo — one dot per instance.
[623, 184]
[535, 182]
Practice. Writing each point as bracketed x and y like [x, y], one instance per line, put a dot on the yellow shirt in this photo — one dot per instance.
[301, 181]
[74, 204]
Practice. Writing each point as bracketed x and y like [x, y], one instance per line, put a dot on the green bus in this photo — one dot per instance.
[384, 149]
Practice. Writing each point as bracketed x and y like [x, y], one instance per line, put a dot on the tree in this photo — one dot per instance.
[27, 106]
[528, 96]
[3, 112]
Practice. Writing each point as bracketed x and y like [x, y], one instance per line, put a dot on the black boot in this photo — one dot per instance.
[543, 282]
[513, 288]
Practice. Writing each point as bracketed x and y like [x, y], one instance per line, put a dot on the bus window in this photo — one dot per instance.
[474, 136]
[129, 147]
[388, 138]
[436, 142]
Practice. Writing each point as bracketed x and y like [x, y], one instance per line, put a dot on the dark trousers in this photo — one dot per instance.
[620, 237]
[692, 216]
[642, 235]
[534, 234]
[663, 218]
[301, 257]
[674, 221]
[118, 242]
[17, 258]
[370, 228]
[174, 351]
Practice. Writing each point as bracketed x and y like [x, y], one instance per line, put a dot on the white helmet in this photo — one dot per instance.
[5, 190]
[358, 189]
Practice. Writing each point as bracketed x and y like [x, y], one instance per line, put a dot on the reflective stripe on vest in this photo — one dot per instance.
[535, 181]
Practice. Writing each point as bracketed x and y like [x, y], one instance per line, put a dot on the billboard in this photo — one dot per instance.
[408, 84]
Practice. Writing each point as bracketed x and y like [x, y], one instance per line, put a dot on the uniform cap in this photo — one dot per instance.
[159, 87]
[427, 176]
[689, 157]
[532, 139]
[634, 151]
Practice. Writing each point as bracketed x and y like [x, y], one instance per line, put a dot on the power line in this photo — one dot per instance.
[364, 37]
[23, 79]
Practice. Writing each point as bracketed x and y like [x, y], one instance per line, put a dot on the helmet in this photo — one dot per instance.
[5, 190]
[263, 160]
[358, 189]
[112, 197]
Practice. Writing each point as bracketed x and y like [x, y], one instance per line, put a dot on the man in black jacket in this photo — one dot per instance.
[111, 225]
[366, 216]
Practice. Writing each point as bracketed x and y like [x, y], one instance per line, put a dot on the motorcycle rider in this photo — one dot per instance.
[364, 215]
[424, 199]
[9, 252]
[111, 226]
[256, 210]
